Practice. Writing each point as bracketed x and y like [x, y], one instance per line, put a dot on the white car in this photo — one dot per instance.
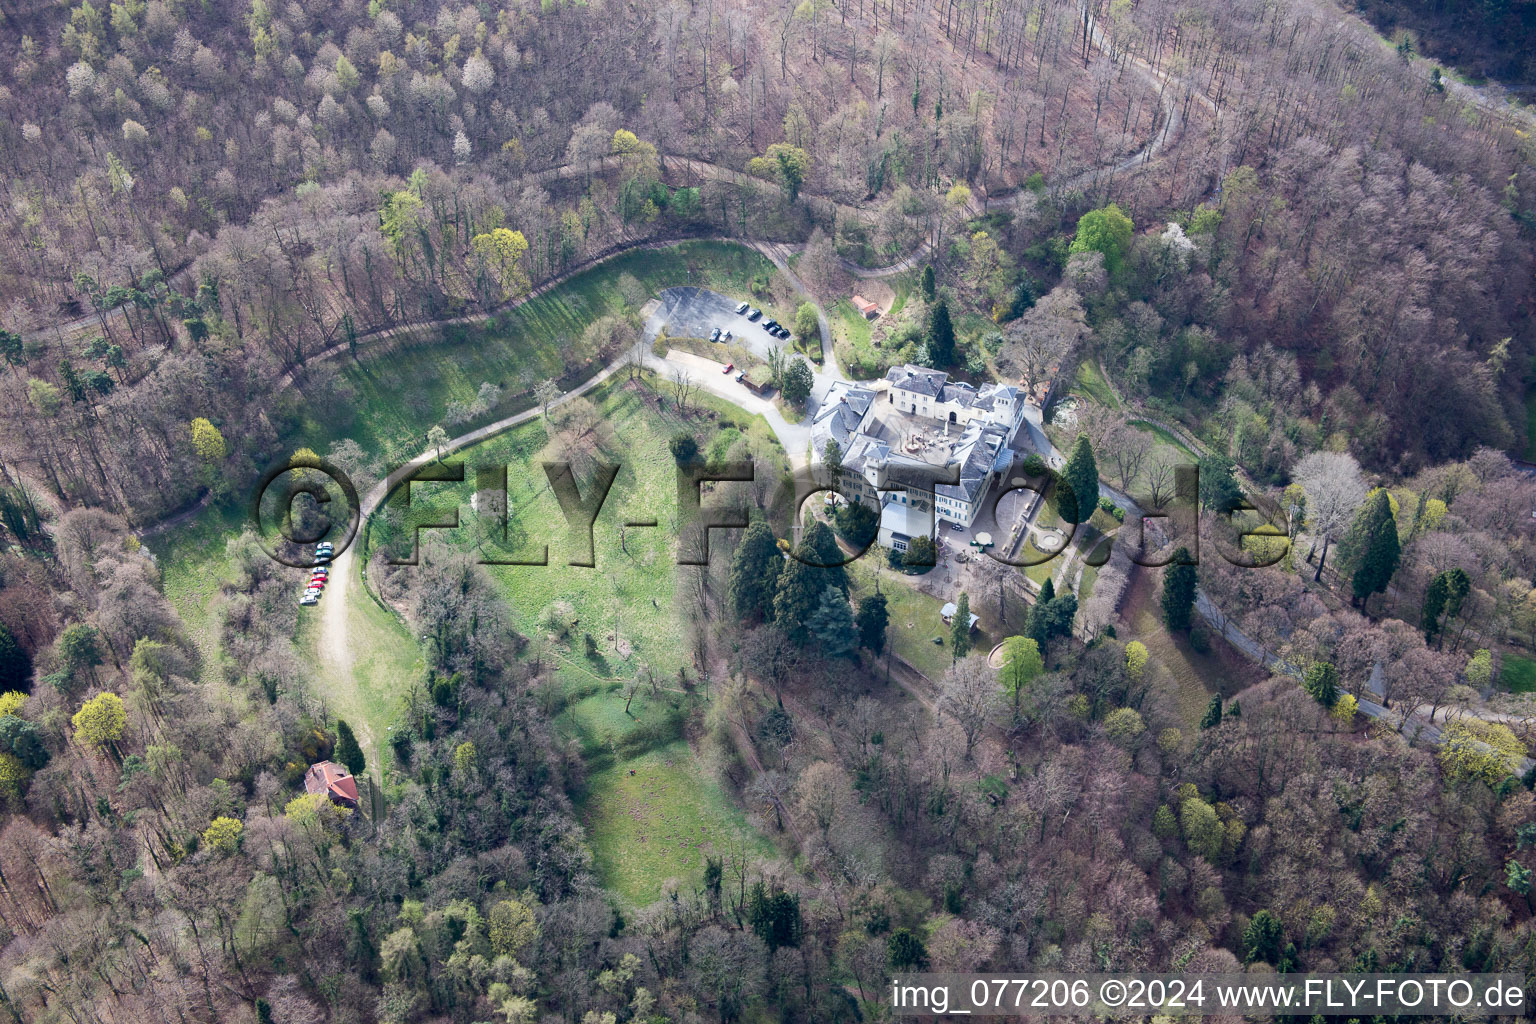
[742, 308]
[310, 597]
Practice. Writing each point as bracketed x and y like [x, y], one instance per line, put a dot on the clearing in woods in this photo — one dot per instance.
[603, 626]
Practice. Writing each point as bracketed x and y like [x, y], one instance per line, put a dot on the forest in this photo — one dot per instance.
[1289, 243]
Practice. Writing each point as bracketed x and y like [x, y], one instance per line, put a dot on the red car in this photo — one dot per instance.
[728, 367]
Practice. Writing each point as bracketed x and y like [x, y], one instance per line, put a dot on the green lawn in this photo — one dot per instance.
[914, 615]
[392, 401]
[853, 323]
[194, 567]
[1085, 588]
[386, 660]
[634, 585]
[853, 340]
[1518, 674]
[659, 823]
[1166, 438]
[389, 403]
[1091, 384]
[901, 284]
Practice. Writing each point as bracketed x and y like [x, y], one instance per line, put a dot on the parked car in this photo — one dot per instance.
[769, 325]
[741, 308]
[715, 334]
[754, 314]
[957, 527]
[309, 599]
[726, 336]
[728, 367]
[782, 332]
[741, 375]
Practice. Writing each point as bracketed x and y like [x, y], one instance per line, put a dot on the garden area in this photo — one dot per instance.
[628, 604]
[603, 627]
[867, 348]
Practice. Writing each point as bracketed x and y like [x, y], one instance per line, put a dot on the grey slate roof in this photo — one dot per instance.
[981, 451]
[839, 417]
[918, 379]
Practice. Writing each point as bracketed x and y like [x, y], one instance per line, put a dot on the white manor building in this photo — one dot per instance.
[915, 419]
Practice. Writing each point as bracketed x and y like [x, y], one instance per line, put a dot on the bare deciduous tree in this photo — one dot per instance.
[1335, 491]
[969, 693]
[1037, 342]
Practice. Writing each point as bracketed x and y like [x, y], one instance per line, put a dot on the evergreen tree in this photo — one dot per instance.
[15, 666]
[921, 554]
[905, 951]
[755, 571]
[1051, 619]
[1179, 582]
[832, 625]
[684, 448]
[1060, 614]
[1212, 713]
[1219, 489]
[1080, 476]
[1023, 298]
[929, 288]
[774, 916]
[74, 384]
[798, 380]
[941, 337]
[857, 523]
[1375, 537]
[1434, 607]
[1443, 597]
[1034, 622]
[347, 751]
[872, 620]
[1261, 939]
[826, 555]
[1322, 682]
[960, 628]
[797, 595]
[832, 459]
[23, 739]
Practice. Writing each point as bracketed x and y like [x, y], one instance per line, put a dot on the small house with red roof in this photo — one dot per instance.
[867, 309]
[329, 779]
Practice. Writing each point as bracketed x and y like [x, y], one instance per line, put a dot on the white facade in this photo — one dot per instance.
[989, 418]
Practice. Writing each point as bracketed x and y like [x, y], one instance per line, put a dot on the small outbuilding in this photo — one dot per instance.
[331, 780]
[947, 613]
[867, 309]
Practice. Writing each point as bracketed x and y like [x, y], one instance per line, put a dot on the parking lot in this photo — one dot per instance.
[689, 312]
